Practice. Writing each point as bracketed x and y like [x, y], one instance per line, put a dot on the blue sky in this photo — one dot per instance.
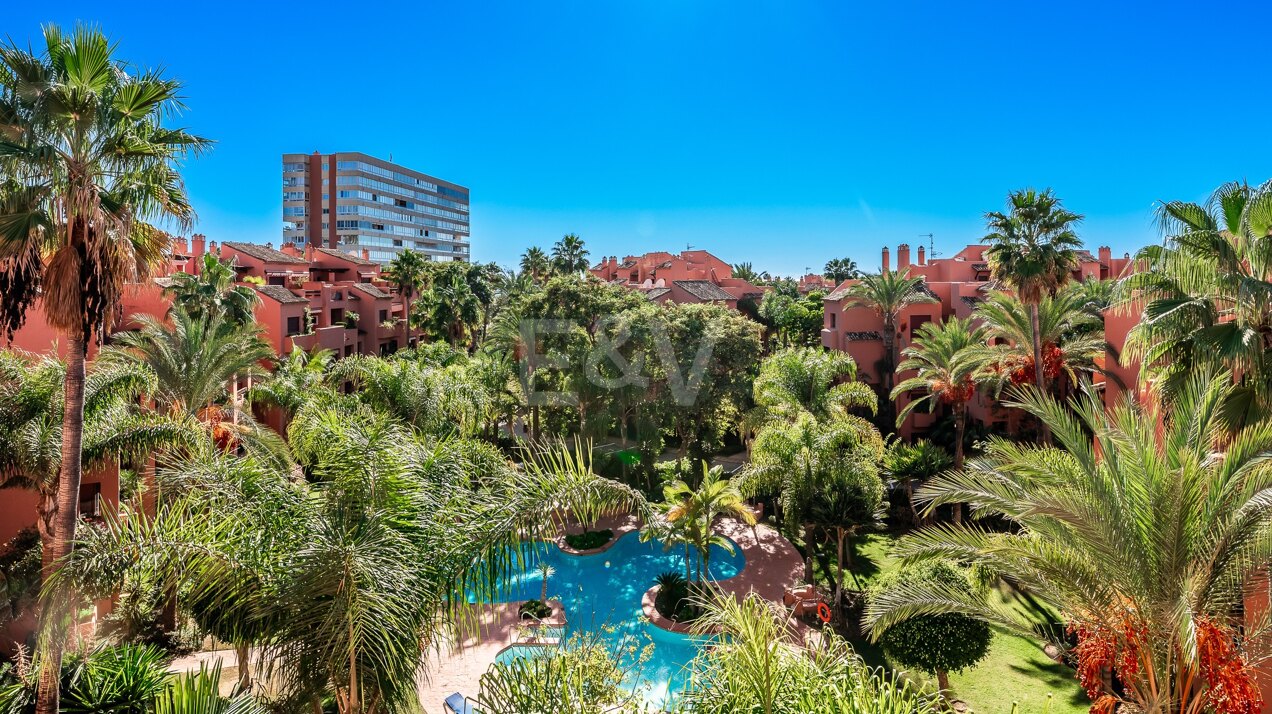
[780, 133]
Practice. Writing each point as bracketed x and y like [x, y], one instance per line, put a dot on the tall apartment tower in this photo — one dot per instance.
[349, 201]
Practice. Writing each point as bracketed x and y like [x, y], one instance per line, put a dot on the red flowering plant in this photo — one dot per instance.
[1145, 526]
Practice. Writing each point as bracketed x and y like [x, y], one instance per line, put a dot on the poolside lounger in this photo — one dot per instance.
[457, 704]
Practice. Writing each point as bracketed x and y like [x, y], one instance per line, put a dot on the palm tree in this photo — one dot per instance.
[295, 380]
[450, 308]
[214, 292]
[799, 460]
[1071, 337]
[194, 358]
[87, 162]
[756, 665]
[1206, 295]
[569, 256]
[948, 359]
[396, 532]
[745, 271]
[1032, 250]
[805, 379]
[31, 407]
[695, 511]
[535, 263]
[435, 400]
[407, 271]
[907, 465]
[841, 269]
[1144, 527]
[889, 293]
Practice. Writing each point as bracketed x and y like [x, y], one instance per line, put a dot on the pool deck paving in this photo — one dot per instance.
[772, 565]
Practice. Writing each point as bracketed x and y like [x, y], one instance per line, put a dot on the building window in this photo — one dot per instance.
[276, 280]
[293, 326]
[337, 315]
[90, 497]
[832, 320]
[384, 316]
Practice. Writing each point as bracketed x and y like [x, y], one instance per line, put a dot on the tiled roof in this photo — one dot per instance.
[268, 255]
[839, 294]
[1085, 256]
[972, 301]
[164, 282]
[355, 259]
[280, 294]
[657, 293]
[980, 267]
[923, 288]
[372, 290]
[702, 289]
[863, 336]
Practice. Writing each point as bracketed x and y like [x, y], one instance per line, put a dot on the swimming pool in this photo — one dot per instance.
[602, 597]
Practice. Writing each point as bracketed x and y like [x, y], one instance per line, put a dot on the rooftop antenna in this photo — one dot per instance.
[931, 244]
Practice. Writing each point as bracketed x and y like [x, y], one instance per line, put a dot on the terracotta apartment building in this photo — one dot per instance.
[959, 283]
[691, 276]
[312, 297]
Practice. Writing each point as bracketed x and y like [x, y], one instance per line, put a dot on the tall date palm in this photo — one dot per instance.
[1143, 528]
[86, 159]
[1032, 249]
[889, 293]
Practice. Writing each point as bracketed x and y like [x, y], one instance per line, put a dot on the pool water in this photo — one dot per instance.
[602, 598]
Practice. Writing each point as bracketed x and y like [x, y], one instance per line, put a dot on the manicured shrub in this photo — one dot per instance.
[534, 608]
[589, 539]
[935, 644]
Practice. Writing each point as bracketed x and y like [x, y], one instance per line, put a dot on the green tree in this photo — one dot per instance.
[1139, 527]
[297, 378]
[193, 358]
[889, 294]
[569, 256]
[31, 407]
[948, 359]
[847, 499]
[934, 643]
[87, 162]
[535, 263]
[450, 310]
[745, 271]
[817, 381]
[1032, 250]
[582, 676]
[213, 292]
[1206, 297]
[692, 513]
[841, 269]
[909, 464]
[407, 272]
[758, 666]
[1072, 339]
[801, 461]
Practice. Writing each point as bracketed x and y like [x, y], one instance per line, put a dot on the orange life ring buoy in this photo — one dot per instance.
[823, 612]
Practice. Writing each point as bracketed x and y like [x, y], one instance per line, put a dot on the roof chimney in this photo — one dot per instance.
[885, 259]
[1106, 254]
[903, 256]
[212, 249]
[198, 243]
[922, 257]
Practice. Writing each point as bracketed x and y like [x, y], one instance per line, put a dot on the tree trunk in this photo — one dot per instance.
[406, 320]
[808, 553]
[841, 560]
[1038, 371]
[943, 681]
[534, 423]
[889, 367]
[960, 425]
[243, 655]
[61, 523]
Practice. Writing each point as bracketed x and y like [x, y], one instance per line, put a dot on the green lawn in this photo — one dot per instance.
[1016, 669]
